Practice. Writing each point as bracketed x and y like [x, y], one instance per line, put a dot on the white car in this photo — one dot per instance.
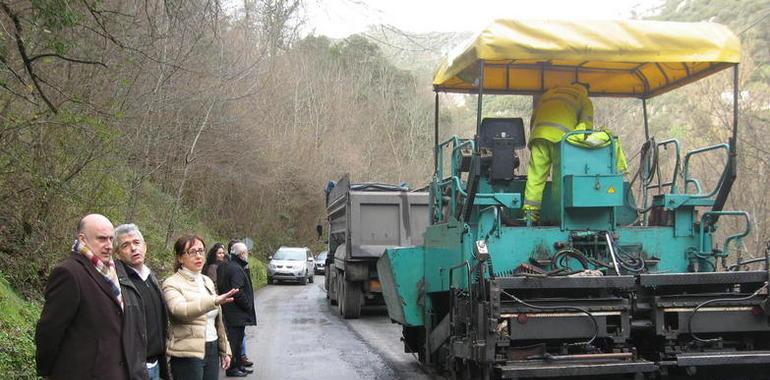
[291, 264]
[320, 263]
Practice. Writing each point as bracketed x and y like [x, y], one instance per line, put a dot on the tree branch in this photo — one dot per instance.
[32, 59]
[15, 74]
[23, 53]
[98, 20]
[17, 94]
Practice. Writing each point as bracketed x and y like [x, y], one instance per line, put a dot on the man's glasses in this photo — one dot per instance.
[196, 252]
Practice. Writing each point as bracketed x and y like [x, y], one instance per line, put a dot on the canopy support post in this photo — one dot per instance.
[642, 189]
[481, 94]
[646, 124]
[736, 94]
[731, 171]
[435, 136]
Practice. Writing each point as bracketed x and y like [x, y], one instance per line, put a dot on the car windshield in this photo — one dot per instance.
[290, 254]
[321, 256]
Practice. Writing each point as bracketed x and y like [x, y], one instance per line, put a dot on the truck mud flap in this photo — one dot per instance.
[569, 368]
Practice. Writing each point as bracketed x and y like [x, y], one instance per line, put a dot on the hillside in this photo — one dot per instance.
[417, 53]
[750, 19]
[17, 329]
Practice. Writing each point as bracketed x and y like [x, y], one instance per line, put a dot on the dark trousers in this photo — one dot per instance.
[235, 335]
[198, 369]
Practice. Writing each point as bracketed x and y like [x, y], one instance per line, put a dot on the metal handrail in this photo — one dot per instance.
[677, 165]
[456, 181]
[695, 182]
[707, 215]
[464, 264]
[457, 144]
[441, 182]
[687, 179]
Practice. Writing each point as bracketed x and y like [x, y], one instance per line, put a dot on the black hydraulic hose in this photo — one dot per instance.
[689, 321]
[648, 166]
[559, 259]
[626, 261]
[580, 309]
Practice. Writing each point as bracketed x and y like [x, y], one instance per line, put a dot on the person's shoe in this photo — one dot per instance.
[235, 373]
[244, 369]
[532, 217]
[245, 362]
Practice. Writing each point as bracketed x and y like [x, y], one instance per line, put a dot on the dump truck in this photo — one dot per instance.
[363, 220]
[623, 276]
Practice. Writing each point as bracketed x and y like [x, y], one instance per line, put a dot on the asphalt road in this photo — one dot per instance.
[298, 336]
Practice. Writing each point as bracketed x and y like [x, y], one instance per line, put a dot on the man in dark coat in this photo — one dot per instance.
[134, 337]
[79, 332]
[239, 314]
[144, 337]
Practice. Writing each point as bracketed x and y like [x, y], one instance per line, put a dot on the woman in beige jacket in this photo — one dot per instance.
[197, 341]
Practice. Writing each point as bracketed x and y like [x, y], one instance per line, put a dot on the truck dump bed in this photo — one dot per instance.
[369, 218]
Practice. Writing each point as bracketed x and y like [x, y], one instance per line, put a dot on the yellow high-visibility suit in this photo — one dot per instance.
[560, 110]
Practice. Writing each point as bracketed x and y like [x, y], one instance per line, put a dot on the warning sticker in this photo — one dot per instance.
[611, 190]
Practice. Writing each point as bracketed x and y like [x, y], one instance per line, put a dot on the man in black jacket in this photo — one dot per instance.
[134, 337]
[239, 314]
[79, 332]
[144, 335]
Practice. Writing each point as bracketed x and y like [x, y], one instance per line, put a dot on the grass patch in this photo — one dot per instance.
[17, 332]
[258, 272]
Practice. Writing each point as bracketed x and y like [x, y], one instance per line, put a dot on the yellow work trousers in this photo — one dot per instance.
[541, 157]
[542, 152]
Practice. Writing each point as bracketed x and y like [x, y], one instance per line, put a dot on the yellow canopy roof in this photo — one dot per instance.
[617, 58]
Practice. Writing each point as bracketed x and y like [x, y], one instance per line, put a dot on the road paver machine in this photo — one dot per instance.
[607, 284]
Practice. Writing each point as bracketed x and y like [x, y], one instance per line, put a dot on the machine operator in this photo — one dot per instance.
[560, 110]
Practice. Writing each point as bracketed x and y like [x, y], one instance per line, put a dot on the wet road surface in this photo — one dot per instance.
[299, 336]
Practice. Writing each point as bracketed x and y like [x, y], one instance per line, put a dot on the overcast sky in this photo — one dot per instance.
[340, 18]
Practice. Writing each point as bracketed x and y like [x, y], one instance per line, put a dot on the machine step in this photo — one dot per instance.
[722, 358]
[566, 367]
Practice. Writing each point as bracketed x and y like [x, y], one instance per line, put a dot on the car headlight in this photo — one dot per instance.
[271, 266]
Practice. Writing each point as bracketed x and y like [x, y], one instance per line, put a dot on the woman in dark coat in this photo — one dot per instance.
[215, 256]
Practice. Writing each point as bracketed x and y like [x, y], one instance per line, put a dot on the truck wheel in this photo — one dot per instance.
[269, 280]
[351, 300]
[331, 289]
[338, 285]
